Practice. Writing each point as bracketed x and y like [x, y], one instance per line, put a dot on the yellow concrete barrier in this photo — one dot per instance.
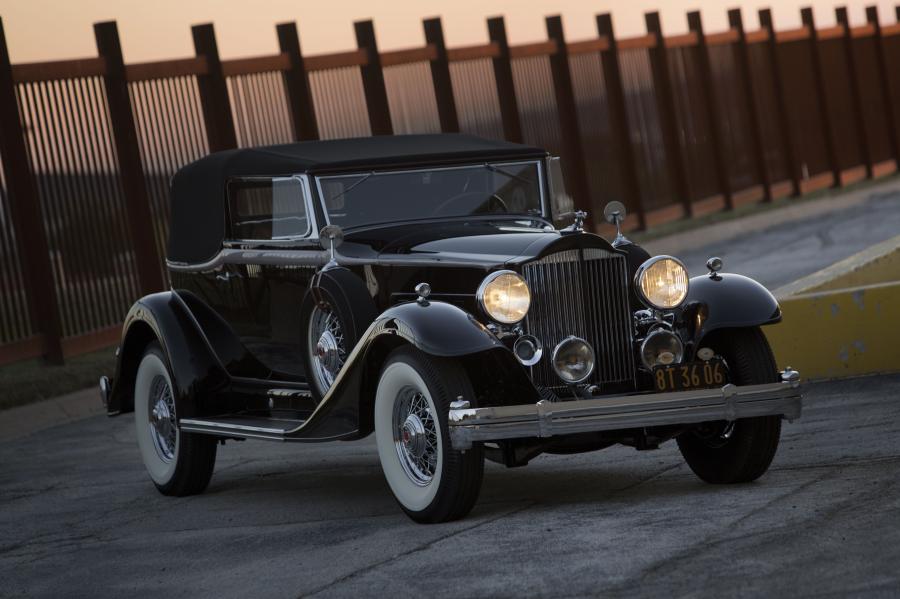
[845, 319]
[840, 333]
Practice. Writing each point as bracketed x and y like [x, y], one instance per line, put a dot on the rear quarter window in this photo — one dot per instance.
[267, 209]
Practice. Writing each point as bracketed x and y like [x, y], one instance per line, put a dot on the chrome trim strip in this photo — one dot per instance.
[221, 429]
[547, 419]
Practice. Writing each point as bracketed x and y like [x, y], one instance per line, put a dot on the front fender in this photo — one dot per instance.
[729, 301]
[196, 371]
[436, 328]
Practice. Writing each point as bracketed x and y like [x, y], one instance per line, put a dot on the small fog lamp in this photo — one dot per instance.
[573, 360]
[661, 348]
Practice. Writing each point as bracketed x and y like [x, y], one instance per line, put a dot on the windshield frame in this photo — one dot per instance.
[362, 172]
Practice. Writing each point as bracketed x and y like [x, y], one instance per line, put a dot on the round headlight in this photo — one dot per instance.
[504, 296]
[573, 360]
[662, 282]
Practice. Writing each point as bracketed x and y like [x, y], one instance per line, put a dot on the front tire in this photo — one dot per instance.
[178, 463]
[739, 451]
[430, 480]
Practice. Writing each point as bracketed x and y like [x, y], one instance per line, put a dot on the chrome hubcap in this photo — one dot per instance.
[326, 340]
[163, 429]
[415, 436]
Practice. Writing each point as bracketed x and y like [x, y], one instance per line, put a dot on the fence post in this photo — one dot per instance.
[27, 219]
[742, 60]
[503, 77]
[440, 76]
[701, 51]
[885, 85]
[618, 119]
[567, 112]
[843, 19]
[373, 80]
[213, 91]
[128, 153]
[296, 84]
[806, 16]
[784, 124]
[665, 102]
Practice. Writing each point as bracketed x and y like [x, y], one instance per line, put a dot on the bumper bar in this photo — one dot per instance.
[616, 412]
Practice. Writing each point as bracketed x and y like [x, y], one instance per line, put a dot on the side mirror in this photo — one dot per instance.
[614, 213]
[562, 206]
[331, 237]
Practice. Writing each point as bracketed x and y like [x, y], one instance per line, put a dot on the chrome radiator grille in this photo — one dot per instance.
[581, 292]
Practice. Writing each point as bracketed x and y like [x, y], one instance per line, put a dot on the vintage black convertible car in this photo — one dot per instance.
[422, 288]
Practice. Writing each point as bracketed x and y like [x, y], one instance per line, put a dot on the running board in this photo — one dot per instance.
[243, 427]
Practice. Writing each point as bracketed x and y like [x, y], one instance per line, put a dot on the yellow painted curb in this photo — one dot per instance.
[840, 333]
[877, 264]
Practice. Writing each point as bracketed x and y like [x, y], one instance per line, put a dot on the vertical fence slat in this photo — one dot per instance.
[296, 83]
[701, 51]
[27, 217]
[853, 81]
[440, 77]
[742, 60]
[503, 77]
[373, 80]
[567, 112]
[787, 137]
[128, 152]
[884, 76]
[214, 91]
[665, 100]
[618, 119]
[806, 16]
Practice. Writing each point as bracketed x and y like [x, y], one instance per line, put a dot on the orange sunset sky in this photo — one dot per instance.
[157, 29]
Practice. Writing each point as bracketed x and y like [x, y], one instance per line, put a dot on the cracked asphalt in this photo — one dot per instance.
[79, 517]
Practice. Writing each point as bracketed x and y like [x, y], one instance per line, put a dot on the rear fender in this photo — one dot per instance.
[196, 372]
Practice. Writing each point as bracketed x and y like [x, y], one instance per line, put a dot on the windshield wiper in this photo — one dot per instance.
[497, 169]
[360, 182]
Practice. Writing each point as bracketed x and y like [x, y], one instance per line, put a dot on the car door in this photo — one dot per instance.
[261, 300]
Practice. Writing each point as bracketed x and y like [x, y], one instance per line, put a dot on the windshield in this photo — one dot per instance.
[380, 197]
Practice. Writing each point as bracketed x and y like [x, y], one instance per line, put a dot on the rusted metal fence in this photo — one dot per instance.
[675, 126]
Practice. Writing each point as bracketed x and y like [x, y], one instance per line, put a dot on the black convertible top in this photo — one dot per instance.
[198, 189]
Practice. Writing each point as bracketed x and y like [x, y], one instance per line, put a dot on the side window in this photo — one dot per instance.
[264, 209]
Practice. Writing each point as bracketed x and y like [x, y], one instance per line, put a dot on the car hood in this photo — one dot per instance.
[477, 243]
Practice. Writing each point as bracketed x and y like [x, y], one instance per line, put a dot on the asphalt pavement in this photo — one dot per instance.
[782, 245]
[79, 517]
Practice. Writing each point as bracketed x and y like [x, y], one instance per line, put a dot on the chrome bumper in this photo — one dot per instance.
[616, 412]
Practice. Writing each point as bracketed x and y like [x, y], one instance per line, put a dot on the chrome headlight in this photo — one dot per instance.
[504, 296]
[662, 282]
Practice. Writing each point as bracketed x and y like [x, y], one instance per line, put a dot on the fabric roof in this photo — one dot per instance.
[198, 190]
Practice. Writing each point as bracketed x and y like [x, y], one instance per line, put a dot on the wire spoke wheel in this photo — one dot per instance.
[163, 428]
[415, 436]
[327, 345]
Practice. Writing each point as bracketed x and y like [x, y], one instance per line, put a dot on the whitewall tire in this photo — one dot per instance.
[431, 481]
[178, 463]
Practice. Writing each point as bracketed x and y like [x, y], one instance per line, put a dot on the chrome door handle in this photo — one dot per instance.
[227, 276]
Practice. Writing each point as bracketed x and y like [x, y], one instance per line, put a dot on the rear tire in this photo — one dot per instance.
[739, 451]
[430, 480]
[178, 463]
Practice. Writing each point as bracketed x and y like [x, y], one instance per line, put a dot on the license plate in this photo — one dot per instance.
[693, 375]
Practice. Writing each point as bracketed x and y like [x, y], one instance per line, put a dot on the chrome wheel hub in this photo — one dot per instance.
[163, 428]
[326, 344]
[415, 436]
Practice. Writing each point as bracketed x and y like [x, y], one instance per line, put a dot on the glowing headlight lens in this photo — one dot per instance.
[504, 296]
[662, 282]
